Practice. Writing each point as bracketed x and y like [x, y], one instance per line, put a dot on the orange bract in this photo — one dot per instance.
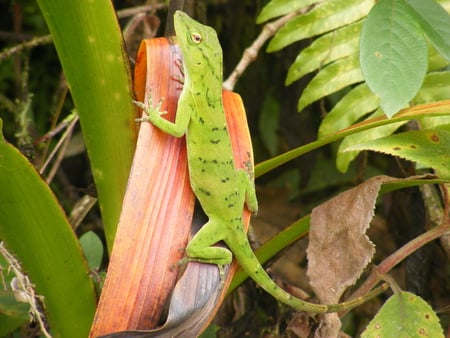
[156, 217]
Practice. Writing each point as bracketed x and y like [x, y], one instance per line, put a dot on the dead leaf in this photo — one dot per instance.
[339, 249]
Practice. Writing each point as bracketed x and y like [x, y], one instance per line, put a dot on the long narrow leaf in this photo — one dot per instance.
[35, 229]
[89, 43]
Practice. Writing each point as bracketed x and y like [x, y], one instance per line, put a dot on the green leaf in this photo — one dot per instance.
[436, 87]
[421, 111]
[325, 17]
[393, 54]
[330, 79]
[93, 249]
[404, 315]
[435, 22]
[430, 148]
[330, 47]
[344, 156]
[89, 43]
[354, 105]
[436, 61]
[35, 229]
[277, 8]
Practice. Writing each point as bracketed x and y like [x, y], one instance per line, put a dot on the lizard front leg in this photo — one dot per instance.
[177, 128]
[153, 111]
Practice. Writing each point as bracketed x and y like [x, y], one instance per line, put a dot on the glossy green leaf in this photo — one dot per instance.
[393, 54]
[89, 43]
[35, 229]
[330, 79]
[355, 104]
[404, 315]
[277, 8]
[435, 22]
[327, 16]
[430, 148]
[328, 48]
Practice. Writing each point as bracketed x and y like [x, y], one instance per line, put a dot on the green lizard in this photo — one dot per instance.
[221, 189]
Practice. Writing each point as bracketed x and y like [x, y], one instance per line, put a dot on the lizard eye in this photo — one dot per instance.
[196, 37]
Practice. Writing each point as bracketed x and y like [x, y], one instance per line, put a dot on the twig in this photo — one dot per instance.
[60, 146]
[24, 289]
[46, 39]
[41, 40]
[123, 13]
[390, 262]
[251, 52]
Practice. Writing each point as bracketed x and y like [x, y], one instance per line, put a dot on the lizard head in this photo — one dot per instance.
[199, 45]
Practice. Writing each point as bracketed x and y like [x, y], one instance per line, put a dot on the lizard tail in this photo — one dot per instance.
[248, 261]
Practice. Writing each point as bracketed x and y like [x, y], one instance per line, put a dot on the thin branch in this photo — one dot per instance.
[70, 123]
[123, 13]
[46, 39]
[251, 52]
[24, 289]
[41, 40]
[398, 256]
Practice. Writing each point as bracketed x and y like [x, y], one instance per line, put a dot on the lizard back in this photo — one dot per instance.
[211, 164]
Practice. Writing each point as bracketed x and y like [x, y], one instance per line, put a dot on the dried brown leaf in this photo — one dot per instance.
[338, 248]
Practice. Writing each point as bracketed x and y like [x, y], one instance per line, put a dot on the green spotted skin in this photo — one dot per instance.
[221, 189]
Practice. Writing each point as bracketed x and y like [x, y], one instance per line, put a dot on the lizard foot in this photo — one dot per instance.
[153, 112]
[187, 259]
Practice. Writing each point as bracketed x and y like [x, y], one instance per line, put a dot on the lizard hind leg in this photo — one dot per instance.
[201, 247]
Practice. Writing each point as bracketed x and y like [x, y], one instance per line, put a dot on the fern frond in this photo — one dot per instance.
[334, 54]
